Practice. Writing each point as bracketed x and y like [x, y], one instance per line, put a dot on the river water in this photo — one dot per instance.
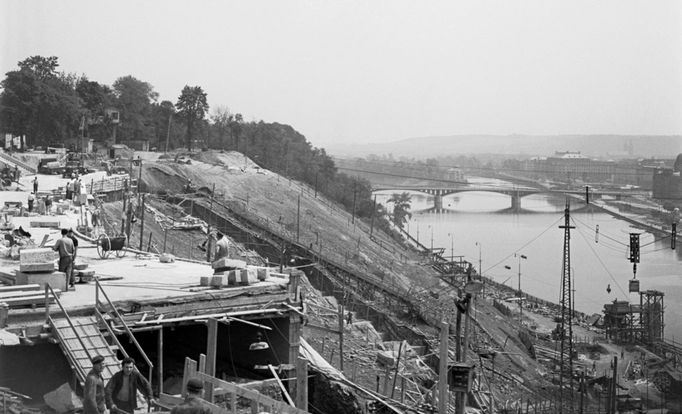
[477, 223]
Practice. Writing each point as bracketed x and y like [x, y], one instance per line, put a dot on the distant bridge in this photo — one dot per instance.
[515, 193]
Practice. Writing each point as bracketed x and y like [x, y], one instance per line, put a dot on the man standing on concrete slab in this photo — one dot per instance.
[66, 251]
[121, 391]
[193, 403]
[222, 246]
[75, 252]
[35, 185]
[93, 395]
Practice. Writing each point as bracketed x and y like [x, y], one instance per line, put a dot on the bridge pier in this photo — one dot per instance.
[516, 201]
[438, 202]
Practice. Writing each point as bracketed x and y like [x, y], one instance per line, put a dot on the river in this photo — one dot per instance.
[477, 223]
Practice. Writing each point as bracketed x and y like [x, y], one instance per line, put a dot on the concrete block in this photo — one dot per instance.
[262, 273]
[247, 276]
[228, 263]
[204, 280]
[217, 281]
[232, 277]
[57, 280]
[37, 260]
[63, 399]
[166, 258]
[37, 267]
[45, 222]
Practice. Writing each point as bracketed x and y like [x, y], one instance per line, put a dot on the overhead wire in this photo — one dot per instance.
[525, 245]
[600, 260]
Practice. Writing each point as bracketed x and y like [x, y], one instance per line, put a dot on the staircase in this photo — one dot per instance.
[12, 162]
[81, 340]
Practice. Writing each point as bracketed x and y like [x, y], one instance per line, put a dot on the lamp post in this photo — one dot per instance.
[520, 256]
[480, 267]
[452, 247]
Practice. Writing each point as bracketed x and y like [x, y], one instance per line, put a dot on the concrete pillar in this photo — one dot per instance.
[515, 201]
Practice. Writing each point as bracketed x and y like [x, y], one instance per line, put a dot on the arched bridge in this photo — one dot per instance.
[515, 193]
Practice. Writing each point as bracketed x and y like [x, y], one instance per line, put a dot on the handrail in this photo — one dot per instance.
[48, 289]
[98, 287]
[111, 332]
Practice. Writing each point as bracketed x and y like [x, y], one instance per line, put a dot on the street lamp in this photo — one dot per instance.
[480, 267]
[452, 246]
[520, 256]
[520, 293]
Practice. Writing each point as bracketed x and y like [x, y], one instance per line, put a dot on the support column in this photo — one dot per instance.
[211, 349]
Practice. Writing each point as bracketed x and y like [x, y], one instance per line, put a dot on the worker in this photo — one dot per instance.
[222, 246]
[35, 184]
[76, 189]
[93, 395]
[193, 403]
[48, 205]
[66, 250]
[31, 200]
[17, 173]
[121, 391]
[69, 188]
[75, 248]
[188, 187]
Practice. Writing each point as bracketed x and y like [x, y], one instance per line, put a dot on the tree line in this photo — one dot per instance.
[52, 107]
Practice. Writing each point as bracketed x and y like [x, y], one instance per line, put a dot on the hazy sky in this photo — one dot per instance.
[376, 71]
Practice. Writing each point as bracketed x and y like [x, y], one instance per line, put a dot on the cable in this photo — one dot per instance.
[526, 244]
[601, 262]
[593, 229]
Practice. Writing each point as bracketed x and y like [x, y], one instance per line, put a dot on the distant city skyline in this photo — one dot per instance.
[359, 72]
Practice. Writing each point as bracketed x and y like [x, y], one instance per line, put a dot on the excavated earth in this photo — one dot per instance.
[273, 200]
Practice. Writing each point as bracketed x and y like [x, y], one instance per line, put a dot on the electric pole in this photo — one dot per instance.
[566, 366]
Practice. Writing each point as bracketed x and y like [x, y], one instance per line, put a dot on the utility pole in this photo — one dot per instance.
[566, 362]
[170, 116]
[443, 369]
[520, 292]
[374, 209]
[298, 219]
[355, 192]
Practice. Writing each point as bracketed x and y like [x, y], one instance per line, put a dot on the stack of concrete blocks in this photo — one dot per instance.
[230, 272]
[36, 266]
[48, 222]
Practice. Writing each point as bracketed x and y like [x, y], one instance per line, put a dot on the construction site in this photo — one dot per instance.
[313, 310]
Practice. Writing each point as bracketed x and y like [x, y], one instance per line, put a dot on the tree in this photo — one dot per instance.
[222, 120]
[401, 206]
[40, 103]
[192, 107]
[134, 102]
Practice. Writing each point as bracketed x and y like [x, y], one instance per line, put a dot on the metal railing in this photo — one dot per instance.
[48, 318]
[98, 288]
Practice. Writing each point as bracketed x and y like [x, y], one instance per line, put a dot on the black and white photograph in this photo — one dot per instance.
[354, 207]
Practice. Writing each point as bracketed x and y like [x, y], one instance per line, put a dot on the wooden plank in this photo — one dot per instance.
[211, 353]
[19, 287]
[302, 383]
[252, 395]
[281, 386]
[38, 300]
[21, 293]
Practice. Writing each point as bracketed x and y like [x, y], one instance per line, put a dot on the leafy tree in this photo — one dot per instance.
[96, 98]
[134, 102]
[222, 122]
[401, 206]
[192, 107]
[40, 103]
[165, 130]
[41, 67]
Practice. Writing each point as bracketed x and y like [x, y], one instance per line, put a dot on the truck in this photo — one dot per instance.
[50, 166]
